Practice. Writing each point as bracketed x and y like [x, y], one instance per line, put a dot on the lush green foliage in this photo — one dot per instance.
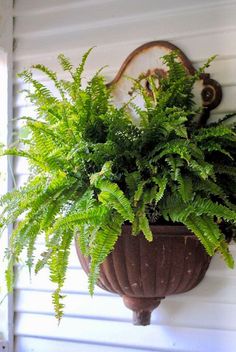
[92, 169]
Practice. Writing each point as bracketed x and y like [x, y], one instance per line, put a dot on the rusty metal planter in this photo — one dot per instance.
[143, 272]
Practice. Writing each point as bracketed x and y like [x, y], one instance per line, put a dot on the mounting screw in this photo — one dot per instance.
[3, 346]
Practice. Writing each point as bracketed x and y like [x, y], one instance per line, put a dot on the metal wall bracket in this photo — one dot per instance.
[146, 60]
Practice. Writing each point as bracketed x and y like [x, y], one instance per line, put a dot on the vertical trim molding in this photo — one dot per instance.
[6, 52]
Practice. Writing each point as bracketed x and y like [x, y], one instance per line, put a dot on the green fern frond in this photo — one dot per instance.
[76, 86]
[214, 132]
[139, 192]
[185, 188]
[208, 207]
[222, 246]
[9, 275]
[133, 179]
[149, 195]
[227, 256]
[41, 95]
[43, 261]
[202, 69]
[92, 215]
[52, 76]
[210, 235]
[104, 241]
[194, 224]
[209, 187]
[174, 165]
[145, 228]
[58, 264]
[214, 146]
[201, 168]
[225, 169]
[177, 146]
[161, 182]
[112, 194]
[65, 63]
[57, 298]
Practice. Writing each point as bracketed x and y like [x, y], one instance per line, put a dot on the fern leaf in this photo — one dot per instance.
[145, 228]
[214, 132]
[112, 195]
[9, 275]
[139, 192]
[185, 188]
[58, 264]
[52, 76]
[221, 246]
[76, 86]
[194, 224]
[104, 242]
[208, 207]
[149, 195]
[162, 184]
[174, 165]
[227, 256]
[225, 169]
[201, 168]
[57, 298]
[65, 63]
[43, 261]
[92, 215]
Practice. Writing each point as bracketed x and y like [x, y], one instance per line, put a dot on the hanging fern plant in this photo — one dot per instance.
[92, 170]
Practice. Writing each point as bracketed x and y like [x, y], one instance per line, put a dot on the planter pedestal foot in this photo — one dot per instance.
[142, 308]
[142, 317]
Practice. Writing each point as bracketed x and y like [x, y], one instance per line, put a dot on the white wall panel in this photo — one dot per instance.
[57, 345]
[158, 338]
[202, 320]
[112, 15]
[29, 7]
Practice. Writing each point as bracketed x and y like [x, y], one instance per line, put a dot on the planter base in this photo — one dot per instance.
[142, 308]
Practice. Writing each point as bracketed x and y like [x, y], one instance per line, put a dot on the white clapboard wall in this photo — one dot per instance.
[203, 320]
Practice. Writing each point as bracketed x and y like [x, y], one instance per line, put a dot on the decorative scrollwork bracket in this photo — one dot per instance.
[146, 60]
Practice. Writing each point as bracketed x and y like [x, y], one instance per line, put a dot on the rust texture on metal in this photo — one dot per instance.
[143, 272]
[156, 43]
[211, 93]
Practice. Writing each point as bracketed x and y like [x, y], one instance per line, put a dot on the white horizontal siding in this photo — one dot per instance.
[202, 320]
[25, 343]
[167, 338]
[31, 47]
[111, 15]
[28, 8]
[172, 312]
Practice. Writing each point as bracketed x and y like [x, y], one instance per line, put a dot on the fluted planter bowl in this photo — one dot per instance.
[144, 273]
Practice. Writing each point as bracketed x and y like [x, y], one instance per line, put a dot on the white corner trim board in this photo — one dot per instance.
[6, 40]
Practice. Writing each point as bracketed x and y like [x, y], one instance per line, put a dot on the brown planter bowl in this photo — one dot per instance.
[145, 272]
